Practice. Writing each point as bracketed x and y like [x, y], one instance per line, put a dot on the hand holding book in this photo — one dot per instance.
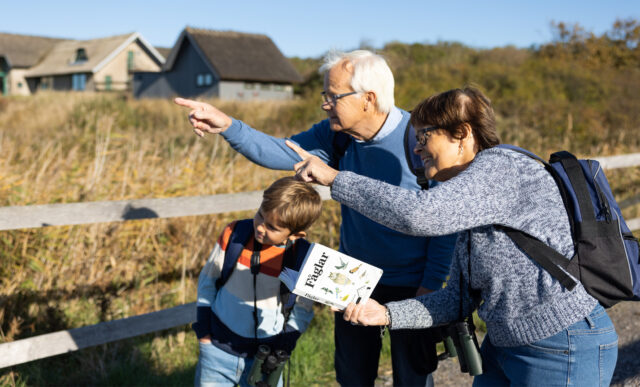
[367, 313]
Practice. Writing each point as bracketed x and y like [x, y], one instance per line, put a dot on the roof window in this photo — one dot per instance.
[81, 56]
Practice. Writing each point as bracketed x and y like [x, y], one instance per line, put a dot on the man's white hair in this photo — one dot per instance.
[370, 73]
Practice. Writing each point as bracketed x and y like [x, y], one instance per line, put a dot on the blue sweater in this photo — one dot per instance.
[406, 260]
[522, 302]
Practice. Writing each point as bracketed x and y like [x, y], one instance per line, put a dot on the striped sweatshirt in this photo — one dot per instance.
[227, 313]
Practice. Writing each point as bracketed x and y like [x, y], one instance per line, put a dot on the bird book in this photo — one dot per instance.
[331, 277]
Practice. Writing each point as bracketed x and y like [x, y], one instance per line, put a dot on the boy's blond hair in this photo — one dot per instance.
[296, 204]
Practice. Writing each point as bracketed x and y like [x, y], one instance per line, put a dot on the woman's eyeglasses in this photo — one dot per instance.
[422, 134]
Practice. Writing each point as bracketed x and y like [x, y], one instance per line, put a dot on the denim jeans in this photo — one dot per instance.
[584, 354]
[357, 353]
[219, 368]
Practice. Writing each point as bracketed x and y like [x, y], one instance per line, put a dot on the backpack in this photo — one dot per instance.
[293, 256]
[607, 258]
[342, 140]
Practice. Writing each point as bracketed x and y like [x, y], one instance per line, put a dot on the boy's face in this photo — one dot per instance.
[267, 229]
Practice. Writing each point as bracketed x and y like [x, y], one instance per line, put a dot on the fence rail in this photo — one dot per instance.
[51, 344]
[16, 217]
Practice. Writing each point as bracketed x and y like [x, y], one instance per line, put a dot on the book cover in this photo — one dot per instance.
[332, 278]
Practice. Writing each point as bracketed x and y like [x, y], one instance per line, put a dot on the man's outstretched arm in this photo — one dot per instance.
[262, 149]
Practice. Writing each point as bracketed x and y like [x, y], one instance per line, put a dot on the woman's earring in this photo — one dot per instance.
[461, 149]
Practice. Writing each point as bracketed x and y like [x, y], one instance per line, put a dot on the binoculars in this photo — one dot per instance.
[267, 367]
[460, 340]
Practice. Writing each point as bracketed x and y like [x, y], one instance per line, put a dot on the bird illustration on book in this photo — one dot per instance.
[327, 291]
[339, 279]
[342, 264]
[363, 274]
[337, 293]
[362, 290]
[345, 297]
[355, 269]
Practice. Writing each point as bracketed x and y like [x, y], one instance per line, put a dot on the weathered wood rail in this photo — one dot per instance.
[35, 216]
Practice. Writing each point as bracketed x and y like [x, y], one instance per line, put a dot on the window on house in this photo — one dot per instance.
[81, 56]
[46, 82]
[19, 85]
[265, 86]
[107, 82]
[278, 87]
[78, 81]
[249, 86]
[130, 62]
[204, 80]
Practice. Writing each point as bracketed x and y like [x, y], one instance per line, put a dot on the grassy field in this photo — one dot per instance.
[71, 147]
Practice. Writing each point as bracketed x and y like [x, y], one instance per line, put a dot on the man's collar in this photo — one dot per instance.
[393, 119]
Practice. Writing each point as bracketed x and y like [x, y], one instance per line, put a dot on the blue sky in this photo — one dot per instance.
[310, 28]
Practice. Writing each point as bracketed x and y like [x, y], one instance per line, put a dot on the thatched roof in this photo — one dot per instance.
[164, 51]
[62, 57]
[25, 50]
[239, 56]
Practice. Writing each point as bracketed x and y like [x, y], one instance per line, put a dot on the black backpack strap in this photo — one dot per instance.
[240, 236]
[413, 161]
[340, 143]
[545, 256]
[294, 254]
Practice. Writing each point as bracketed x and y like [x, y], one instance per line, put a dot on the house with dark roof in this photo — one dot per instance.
[220, 64]
[103, 64]
[18, 53]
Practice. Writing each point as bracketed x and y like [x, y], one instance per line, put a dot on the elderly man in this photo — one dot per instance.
[358, 99]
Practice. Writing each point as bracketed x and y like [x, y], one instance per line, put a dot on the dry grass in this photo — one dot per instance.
[60, 148]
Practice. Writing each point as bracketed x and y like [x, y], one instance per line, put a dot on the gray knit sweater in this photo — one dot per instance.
[522, 303]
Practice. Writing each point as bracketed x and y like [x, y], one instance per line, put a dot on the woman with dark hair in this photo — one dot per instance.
[538, 332]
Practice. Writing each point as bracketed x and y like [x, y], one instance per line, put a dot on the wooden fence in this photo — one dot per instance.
[35, 216]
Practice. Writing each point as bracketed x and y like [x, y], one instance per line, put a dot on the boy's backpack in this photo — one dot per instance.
[607, 259]
[342, 140]
[293, 256]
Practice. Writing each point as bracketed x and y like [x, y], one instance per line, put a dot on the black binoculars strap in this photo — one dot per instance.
[255, 270]
[469, 289]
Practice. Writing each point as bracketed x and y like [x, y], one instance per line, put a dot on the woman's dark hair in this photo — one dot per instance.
[451, 109]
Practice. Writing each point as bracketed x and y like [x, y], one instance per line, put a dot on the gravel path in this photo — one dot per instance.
[625, 317]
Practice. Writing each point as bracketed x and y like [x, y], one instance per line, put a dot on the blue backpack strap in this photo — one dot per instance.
[575, 174]
[523, 151]
[240, 236]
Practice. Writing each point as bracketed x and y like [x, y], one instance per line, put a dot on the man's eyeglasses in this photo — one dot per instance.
[422, 136]
[333, 99]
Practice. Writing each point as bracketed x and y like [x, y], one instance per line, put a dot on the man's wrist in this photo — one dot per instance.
[387, 315]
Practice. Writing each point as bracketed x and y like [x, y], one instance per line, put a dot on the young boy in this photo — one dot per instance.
[241, 303]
